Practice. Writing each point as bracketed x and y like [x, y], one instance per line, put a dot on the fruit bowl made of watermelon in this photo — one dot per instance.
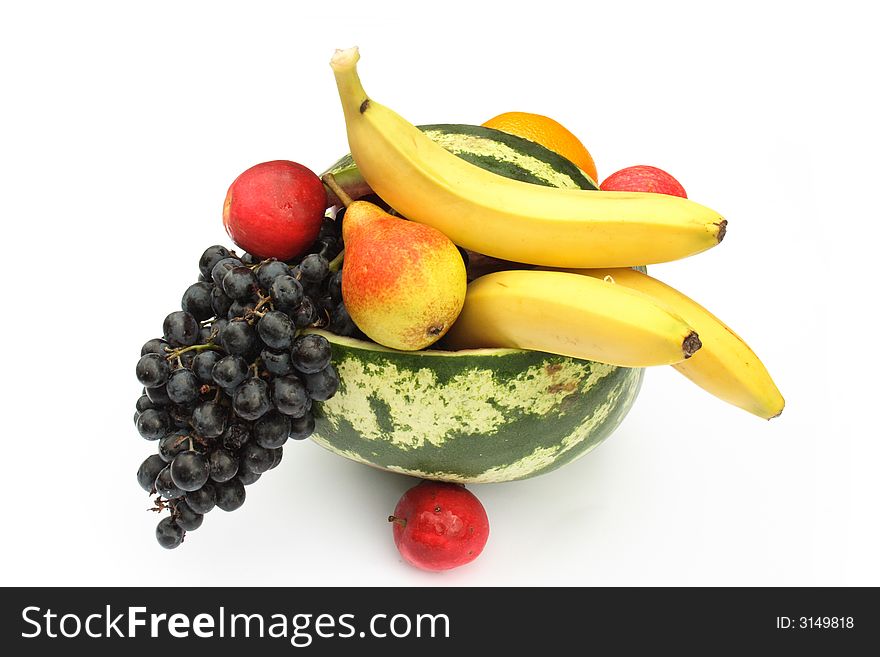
[473, 416]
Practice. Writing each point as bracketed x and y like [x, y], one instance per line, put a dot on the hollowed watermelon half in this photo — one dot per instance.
[481, 415]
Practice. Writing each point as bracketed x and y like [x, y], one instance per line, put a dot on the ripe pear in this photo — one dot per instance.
[403, 283]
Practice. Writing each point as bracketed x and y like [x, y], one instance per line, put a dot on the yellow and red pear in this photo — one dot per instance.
[403, 283]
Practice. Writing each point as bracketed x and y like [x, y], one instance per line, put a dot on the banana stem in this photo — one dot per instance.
[330, 181]
[351, 92]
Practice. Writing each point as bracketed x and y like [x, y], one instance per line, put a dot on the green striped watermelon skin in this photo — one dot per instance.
[496, 151]
[478, 416]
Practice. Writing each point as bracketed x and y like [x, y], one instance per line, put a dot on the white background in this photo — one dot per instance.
[124, 123]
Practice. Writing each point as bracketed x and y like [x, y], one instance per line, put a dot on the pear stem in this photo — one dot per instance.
[336, 263]
[330, 181]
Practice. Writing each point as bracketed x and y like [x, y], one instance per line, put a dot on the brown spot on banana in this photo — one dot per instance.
[691, 344]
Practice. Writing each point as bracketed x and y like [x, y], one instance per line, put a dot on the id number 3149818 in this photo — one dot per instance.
[815, 622]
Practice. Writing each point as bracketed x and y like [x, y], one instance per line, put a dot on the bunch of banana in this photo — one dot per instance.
[614, 315]
[617, 316]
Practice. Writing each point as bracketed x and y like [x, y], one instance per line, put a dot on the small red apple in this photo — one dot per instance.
[438, 526]
[643, 178]
[274, 209]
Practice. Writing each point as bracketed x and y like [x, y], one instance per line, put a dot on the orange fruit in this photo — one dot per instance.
[547, 132]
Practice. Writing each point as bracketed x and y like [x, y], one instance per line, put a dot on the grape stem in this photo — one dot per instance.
[160, 505]
[399, 521]
[175, 353]
[262, 302]
[256, 310]
[336, 264]
[261, 262]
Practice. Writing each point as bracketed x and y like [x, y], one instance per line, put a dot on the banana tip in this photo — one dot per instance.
[773, 417]
[722, 229]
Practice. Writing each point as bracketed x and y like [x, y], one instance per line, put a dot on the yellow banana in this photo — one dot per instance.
[571, 315]
[725, 366]
[508, 219]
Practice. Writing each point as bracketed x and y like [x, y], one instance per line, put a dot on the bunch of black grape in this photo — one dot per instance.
[234, 376]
